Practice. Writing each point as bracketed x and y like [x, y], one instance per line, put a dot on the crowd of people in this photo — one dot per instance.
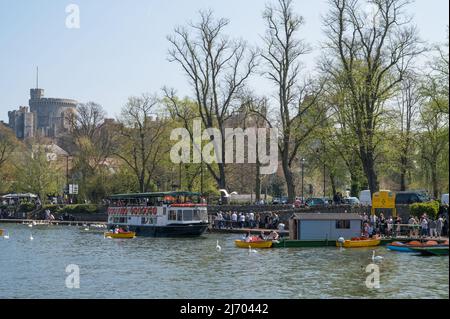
[234, 219]
[423, 227]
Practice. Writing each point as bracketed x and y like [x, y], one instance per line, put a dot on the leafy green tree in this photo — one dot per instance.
[369, 55]
[142, 138]
[36, 173]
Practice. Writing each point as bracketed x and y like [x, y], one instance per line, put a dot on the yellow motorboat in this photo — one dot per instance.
[130, 234]
[253, 244]
[356, 243]
[1, 232]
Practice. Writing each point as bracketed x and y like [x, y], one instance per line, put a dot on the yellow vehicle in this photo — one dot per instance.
[130, 234]
[1, 232]
[358, 243]
[384, 199]
[253, 244]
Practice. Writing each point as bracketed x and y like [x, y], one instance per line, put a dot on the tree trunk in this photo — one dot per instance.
[354, 184]
[289, 180]
[258, 182]
[434, 180]
[368, 163]
[403, 178]
[333, 183]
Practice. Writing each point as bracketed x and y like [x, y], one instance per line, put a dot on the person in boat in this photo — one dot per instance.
[248, 237]
[273, 236]
[365, 233]
[262, 236]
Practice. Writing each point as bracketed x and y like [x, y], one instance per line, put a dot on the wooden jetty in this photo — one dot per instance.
[51, 222]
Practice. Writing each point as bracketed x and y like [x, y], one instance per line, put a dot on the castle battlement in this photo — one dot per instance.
[43, 116]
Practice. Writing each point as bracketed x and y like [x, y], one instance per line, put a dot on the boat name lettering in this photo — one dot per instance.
[132, 210]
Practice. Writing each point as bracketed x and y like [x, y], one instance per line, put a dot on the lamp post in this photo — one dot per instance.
[303, 173]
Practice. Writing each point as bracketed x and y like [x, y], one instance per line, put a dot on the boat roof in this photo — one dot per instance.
[326, 216]
[156, 194]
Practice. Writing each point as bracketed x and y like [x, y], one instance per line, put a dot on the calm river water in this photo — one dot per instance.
[192, 268]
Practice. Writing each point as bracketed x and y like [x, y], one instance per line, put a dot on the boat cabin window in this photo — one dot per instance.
[342, 224]
[180, 215]
[120, 220]
[187, 214]
[172, 215]
[148, 220]
[196, 215]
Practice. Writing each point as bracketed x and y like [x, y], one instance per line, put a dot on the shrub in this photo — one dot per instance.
[429, 208]
[79, 209]
[52, 208]
[26, 207]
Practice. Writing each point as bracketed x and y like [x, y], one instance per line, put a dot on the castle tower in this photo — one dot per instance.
[36, 94]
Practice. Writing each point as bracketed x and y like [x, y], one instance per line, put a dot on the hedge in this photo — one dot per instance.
[27, 207]
[73, 209]
[429, 208]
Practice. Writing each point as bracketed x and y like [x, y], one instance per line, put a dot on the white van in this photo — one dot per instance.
[365, 198]
[444, 199]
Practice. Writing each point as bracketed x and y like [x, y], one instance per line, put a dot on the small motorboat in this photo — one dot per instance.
[359, 242]
[129, 234]
[1, 232]
[399, 246]
[253, 243]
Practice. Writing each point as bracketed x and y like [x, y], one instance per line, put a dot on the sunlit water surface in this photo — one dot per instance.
[193, 268]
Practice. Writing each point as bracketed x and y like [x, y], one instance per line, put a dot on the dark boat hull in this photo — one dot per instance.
[175, 230]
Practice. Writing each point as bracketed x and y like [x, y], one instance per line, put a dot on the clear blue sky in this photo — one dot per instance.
[121, 48]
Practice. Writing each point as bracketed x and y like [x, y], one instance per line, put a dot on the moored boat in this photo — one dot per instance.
[358, 243]
[407, 247]
[253, 244]
[399, 246]
[164, 214]
[438, 250]
[130, 234]
[1, 232]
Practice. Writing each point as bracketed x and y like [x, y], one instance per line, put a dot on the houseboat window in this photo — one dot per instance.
[119, 220]
[187, 214]
[164, 211]
[197, 215]
[144, 220]
[342, 224]
[180, 215]
[172, 215]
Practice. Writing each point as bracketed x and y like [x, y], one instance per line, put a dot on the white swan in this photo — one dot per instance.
[30, 225]
[376, 258]
[250, 250]
[31, 237]
[218, 248]
[6, 236]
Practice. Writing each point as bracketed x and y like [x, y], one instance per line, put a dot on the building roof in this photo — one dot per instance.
[326, 216]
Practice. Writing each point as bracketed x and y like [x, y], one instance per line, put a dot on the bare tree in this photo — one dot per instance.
[369, 54]
[140, 139]
[282, 52]
[217, 68]
[87, 120]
